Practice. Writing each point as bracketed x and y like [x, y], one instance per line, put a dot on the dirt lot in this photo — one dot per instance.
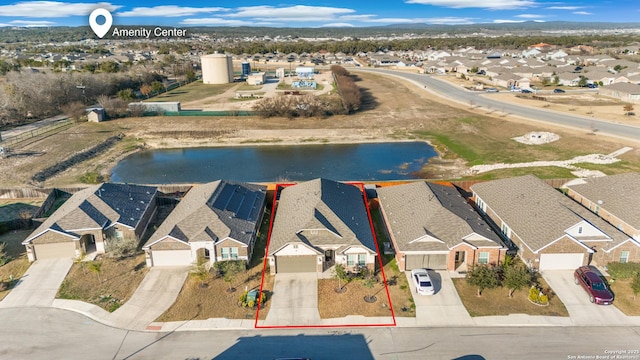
[110, 287]
[392, 110]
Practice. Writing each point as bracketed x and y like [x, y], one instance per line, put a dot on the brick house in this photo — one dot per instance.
[90, 218]
[215, 221]
[550, 230]
[320, 223]
[433, 226]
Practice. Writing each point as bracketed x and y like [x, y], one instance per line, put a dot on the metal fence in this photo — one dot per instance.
[12, 141]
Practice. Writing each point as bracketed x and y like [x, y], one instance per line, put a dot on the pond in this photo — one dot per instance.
[269, 163]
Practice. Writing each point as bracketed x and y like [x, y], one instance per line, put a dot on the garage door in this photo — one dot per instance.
[433, 261]
[294, 264]
[560, 261]
[55, 250]
[171, 257]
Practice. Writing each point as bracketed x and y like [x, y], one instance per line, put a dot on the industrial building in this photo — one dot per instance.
[256, 78]
[217, 69]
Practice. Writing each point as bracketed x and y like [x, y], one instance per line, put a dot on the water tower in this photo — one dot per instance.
[217, 69]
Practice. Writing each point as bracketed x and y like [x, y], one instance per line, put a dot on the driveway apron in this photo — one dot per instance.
[155, 294]
[39, 285]
[444, 308]
[576, 301]
[294, 300]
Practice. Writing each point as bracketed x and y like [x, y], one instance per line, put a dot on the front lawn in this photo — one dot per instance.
[624, 299]
[496, 301]
[351, 302]
[109, 287]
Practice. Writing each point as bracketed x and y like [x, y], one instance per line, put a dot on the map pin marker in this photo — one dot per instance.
[100, 30]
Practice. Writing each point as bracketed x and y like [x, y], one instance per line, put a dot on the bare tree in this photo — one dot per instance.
[627, 108]
[75, 111]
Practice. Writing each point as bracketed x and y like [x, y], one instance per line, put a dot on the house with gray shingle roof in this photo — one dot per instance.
[216, 221]
[433, 226]
[550, 230]
[614, 198]
[318, 224]
[622, 91]
[90, 218]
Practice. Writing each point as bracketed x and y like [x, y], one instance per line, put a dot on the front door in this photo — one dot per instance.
[460, 257]
[329, 259]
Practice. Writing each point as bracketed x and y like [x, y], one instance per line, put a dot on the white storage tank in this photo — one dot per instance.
[217, 69]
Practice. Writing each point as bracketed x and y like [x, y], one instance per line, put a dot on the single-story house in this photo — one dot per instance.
[320, 223]
[90, 218]
[550, 230]
[622, 91]
[215, 221]
[614, 198]
[433, 226]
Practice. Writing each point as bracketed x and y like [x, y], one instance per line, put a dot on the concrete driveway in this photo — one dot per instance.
[576, 301]
[39, 285]
[444, 308]
[155, 294]
[294, 301]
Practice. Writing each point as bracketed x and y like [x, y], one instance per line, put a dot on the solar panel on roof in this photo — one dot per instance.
[245, 209]
[236, 201]
[223, 197]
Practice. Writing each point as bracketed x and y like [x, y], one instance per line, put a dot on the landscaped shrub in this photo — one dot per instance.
[244, 300]
[537, 296]
[4, 257]
[623, 270]
[121, 248]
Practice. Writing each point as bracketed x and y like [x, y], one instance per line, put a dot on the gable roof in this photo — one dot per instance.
[420, 209]
[321, 212]
[215, 211]
[538, 213]
[99, 207]
[617, 193]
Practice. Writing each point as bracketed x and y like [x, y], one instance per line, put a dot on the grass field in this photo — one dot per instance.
[195, 91]
[624, 297]
[18, 265]
[11, 210]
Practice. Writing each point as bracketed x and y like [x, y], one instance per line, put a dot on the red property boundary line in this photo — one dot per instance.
[266, 258]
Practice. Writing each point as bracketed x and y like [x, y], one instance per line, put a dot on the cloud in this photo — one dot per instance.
[221, 22]
[449, 20]
[168, 11]
[530, 16]
[298, 13]
[565, 7]
[582, 13]
[485, 4]
[337, 25]
[52, 9]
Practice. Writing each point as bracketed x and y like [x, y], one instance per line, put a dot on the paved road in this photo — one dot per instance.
[39, 333]
[467, 98]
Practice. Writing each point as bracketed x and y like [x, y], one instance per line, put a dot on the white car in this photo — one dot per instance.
[422, 281]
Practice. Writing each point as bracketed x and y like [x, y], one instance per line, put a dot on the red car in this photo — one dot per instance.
[595, 286]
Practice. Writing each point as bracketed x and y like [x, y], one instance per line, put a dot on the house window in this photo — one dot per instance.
[579, 229]
[362, 259]
[119, 234]
[483, 257]
[506, 231]
[229, 253]
[351, 259]
[624, 256]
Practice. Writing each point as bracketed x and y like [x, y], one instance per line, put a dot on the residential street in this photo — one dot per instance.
[455, 93]
[54, 334]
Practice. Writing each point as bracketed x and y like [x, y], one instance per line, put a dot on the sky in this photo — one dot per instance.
[312, 14]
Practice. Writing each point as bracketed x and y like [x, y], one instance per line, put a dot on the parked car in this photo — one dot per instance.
[527, 91]
[594, 284]
[592, 86]
[423, 283]
[558, 91]
[492, 90]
